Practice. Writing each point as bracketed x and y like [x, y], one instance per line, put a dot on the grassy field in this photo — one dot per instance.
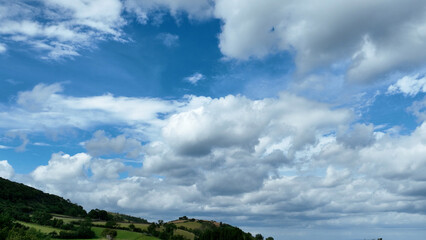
[189, 225]
[142, 226]
[121, 234]
[43, 229]
[65, 218]
[124, 235]
[186, 234]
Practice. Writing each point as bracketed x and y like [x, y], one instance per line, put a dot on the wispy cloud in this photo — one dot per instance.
[168, 39]
[58, 28]
[195, 78]
[409, 85]
[3, 48]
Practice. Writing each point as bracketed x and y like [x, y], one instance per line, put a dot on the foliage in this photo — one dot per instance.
[224, 232]
[83, 231]
[123, 217]
[258, 237]
[109, 232]
[100, 214]
[19, 201]
[11, 230]
[20, 232]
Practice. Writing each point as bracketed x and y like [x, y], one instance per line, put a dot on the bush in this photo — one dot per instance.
[109, 232]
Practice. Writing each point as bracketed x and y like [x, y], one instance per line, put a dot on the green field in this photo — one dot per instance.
[142, 226]
[43, 229]
[65, 218]
[189, 225]
[186, 234]
[121, 234]
[125, 235]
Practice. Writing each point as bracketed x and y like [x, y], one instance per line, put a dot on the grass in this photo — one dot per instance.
[124, 235]
[65, 218]
[121, 234]
[43, 229]
[189, 225]
[142, 226]
[186, 234]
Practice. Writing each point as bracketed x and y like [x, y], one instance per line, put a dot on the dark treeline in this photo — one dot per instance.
[19, 201]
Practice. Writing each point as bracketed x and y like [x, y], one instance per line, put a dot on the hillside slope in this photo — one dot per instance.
[44, 211]
[18, 199]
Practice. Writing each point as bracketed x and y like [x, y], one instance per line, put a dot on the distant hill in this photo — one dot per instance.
[19, 200]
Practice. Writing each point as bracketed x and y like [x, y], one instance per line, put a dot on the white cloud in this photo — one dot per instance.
[35, 100]
[168, 39]
[418, 109]
[107, 169]
[100, 144]
[3, 48]
[409, 85]
[286, 160]
[44, 108]
[322, 33]
[238, 121]
[195, 9]
[62, 168]
[61, 29]
[359, 135]
[195, 78]
[22, 136]
[6, 170]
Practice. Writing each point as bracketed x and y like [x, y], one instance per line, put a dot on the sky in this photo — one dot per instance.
[297, 119]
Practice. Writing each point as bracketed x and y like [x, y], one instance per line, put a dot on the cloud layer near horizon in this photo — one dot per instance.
[288, 158]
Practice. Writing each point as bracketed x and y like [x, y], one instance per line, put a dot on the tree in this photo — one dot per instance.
[111, 224]
[269, 238]
[152, 229]
[132, 227]
[100, 214]
[41, 218]
[109, 232]
[258, 237]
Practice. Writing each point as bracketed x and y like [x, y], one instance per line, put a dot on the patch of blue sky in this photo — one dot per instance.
[256, 78]
[392, 111]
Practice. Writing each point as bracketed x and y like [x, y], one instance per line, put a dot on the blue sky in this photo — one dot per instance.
[296, 119]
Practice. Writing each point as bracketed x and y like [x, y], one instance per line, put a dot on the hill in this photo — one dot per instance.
[20, 200]
[28, 213]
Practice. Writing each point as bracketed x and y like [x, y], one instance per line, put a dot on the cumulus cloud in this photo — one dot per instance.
[360, 135]
[238, 121]
[409, 85]
[362, 33]
[100, 144]
[288, 159]
[106, 169]
[6, 170]
[62, 168]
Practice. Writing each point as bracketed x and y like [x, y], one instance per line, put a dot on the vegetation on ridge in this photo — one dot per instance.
[28, 213]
